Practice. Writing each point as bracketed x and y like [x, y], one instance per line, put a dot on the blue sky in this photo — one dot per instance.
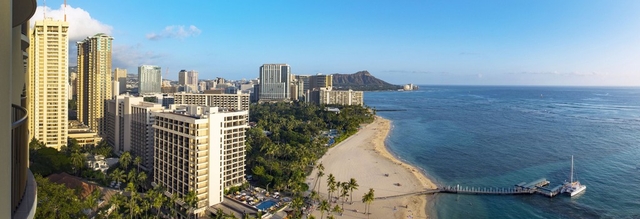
[424, 42]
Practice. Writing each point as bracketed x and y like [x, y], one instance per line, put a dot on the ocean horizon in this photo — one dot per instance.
[499, 136]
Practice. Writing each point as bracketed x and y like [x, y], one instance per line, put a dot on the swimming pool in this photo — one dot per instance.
[263, 206]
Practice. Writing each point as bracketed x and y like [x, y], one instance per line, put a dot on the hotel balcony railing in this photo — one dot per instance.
[23, 187]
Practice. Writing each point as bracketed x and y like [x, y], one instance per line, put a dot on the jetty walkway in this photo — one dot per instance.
[536, 187]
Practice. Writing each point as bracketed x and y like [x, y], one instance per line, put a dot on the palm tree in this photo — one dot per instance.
[314, 196]
[142, 179]
[320, 174]
[367, 198]
[132, 176]
[158, 200]
[137, 162]
[117, 175]
[352, 185]
[133, 207]
[125, 159]
[337, 209]
[338, 187]
[191, 199]
[296, 204]
[116, 201]
[146, 205]
[77, 160]
[331, 217]
[344, 194]
[174, 199]
[331, 183]
[324, 206]
[92, 199]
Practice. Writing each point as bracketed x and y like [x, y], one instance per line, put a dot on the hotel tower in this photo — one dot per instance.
[94, 80]
[199, 149]
[47, 87]
[274, 82]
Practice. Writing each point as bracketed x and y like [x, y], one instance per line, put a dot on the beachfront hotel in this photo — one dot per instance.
[94, 80]
[275, 80]
[129, 121]
[338, 97]
[237, 101]
[200, 149]
[18, 189]
[48, 87]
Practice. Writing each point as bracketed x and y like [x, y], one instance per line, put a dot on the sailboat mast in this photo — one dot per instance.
[571, 169]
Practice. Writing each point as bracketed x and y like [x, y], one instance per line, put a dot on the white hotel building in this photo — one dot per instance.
[201, 149]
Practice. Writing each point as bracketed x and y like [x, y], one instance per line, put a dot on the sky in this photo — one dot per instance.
[524, 42]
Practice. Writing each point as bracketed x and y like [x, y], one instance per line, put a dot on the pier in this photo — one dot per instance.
[535, 187]
[523, 188]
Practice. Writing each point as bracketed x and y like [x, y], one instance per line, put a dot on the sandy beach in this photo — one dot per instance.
[364, 157]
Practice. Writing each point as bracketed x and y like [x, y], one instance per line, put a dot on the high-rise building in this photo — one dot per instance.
[192, 78]
[94, 80]
[199, 149]
[275, 80]
[189, 80]
[129, 127]
[48, 82]
[338, 97]
[320, 81]
[237, 101]
[18, 188]
[120, 75]
[149, 79]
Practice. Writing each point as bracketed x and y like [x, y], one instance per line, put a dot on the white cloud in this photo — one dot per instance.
[175, 31]
[81, 24]
[132, 56]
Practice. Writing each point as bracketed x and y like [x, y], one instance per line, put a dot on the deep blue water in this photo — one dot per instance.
[501, 136]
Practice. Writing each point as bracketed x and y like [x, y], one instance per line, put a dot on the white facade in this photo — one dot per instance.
[201, 149]
[129, 122]
[149, 79]
[236, 101]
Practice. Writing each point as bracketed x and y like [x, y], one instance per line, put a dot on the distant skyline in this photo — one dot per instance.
[591, 43]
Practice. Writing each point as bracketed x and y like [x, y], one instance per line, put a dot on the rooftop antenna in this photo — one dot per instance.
[65, 10]
[44, 9]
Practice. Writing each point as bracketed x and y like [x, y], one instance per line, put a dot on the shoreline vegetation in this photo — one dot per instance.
[365, 157]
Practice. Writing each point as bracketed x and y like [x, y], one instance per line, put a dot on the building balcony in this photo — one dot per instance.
[23, 184]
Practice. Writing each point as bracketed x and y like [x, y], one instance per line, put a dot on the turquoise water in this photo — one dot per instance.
[501, 136]
[266, 205]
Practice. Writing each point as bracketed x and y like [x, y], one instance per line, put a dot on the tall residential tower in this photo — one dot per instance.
[47, 87]
[94, 80]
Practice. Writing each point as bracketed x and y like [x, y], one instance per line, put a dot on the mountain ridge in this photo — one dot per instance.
[361, 81]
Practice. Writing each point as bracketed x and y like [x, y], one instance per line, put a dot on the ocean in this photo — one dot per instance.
[487, 136]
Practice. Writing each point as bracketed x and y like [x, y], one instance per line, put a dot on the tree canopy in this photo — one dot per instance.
[289, 137]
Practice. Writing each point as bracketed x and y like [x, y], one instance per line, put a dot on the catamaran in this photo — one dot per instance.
[573, 187]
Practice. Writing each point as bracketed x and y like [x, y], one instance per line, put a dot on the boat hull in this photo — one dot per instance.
[578, 190]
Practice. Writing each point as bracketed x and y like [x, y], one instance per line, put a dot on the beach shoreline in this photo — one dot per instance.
[365, 157]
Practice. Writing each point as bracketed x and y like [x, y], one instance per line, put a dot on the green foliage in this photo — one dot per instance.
[46, 161]
[288, 139]
[57, 201]
[150, 99]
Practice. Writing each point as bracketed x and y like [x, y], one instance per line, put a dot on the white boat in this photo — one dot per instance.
[573, 187]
